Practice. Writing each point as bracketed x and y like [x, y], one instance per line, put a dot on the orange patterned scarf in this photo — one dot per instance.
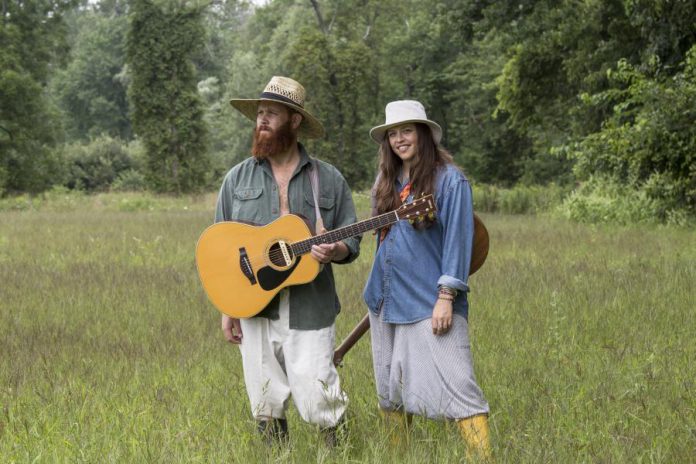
[402, 196]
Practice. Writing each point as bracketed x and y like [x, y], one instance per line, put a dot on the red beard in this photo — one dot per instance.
[270, 142]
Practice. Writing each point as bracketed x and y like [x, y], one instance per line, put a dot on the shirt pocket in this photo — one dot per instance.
[247, 207]
[327, 208]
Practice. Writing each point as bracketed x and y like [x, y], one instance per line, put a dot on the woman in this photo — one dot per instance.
[416, 291]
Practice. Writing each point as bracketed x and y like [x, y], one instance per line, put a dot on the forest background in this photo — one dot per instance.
[586, 107]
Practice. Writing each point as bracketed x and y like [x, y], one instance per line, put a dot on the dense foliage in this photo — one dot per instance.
[593, 94]
[649, 141]
[31, 42]
[91, 89]
[166, 109]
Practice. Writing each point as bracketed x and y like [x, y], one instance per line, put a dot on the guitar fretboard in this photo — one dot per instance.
[305, 246]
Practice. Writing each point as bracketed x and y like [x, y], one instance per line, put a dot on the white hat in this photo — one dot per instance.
[402, 112]
[288, 92]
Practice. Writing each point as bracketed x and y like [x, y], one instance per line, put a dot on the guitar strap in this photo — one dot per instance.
[314, 180]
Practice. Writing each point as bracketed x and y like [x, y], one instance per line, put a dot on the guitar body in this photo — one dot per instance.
[242, 267]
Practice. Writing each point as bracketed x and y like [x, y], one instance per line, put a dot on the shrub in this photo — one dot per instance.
[96, 165]
[601, 200]
[129, 181]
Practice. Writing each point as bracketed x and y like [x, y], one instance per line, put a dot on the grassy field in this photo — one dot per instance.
[584, 340]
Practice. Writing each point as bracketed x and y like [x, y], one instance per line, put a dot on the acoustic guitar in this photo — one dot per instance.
[242, 267]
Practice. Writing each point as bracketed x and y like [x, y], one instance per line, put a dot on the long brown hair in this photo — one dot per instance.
[429, 158]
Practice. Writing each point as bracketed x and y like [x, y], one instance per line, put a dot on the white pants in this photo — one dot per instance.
[280, 362]
[425, 374]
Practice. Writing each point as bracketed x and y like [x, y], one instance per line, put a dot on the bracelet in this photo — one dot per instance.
[440, 297]
[443, 289]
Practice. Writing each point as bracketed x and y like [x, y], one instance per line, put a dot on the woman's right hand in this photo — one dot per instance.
[442, 316]
[231, 329]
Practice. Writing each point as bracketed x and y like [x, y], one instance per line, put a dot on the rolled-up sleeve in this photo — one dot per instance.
[456, 214]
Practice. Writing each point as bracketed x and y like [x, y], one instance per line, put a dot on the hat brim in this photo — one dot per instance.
[377, 133]
[310, 127]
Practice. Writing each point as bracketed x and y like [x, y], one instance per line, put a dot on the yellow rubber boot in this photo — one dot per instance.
[474, 431]
[398, 425]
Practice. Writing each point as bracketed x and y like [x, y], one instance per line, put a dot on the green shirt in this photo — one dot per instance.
[249, 193]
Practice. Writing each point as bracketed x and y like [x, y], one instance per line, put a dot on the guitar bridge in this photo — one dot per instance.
[286, 253]
[245, 265]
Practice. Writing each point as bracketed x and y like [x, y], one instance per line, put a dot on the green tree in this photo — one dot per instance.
[509, 81]
[649, 142]
[481, 141]
[559, 51]
[91, 90]
[340, 67]
[222, 22]
[166, 108]
[228, 68]
[334, 62]
[31, 41]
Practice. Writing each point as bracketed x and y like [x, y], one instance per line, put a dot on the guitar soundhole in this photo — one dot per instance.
[278, 257]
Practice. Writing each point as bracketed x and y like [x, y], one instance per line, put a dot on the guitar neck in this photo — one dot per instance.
[383, 220]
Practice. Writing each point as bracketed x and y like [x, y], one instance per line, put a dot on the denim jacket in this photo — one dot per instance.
[249, 193]
[410, 263]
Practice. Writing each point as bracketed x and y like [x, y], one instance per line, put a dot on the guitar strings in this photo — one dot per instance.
[277, 254]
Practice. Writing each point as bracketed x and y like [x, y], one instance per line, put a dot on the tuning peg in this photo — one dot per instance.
[431, 216]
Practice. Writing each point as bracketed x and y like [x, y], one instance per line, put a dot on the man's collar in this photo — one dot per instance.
[304, 157]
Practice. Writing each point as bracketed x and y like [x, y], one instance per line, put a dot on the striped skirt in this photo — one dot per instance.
[425, 374]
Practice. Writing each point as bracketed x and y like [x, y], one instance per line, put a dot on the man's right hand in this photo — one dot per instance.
[232, 329]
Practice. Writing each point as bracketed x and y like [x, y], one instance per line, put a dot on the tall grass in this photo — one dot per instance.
[583, 339]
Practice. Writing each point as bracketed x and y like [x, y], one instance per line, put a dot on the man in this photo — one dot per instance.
[287, 348]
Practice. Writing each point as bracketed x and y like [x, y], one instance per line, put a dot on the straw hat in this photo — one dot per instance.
[291, 94]
[402, 112]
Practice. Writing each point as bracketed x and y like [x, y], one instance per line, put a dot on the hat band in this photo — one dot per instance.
[275, 96]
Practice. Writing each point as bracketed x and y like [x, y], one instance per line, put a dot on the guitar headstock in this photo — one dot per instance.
[418, 209]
